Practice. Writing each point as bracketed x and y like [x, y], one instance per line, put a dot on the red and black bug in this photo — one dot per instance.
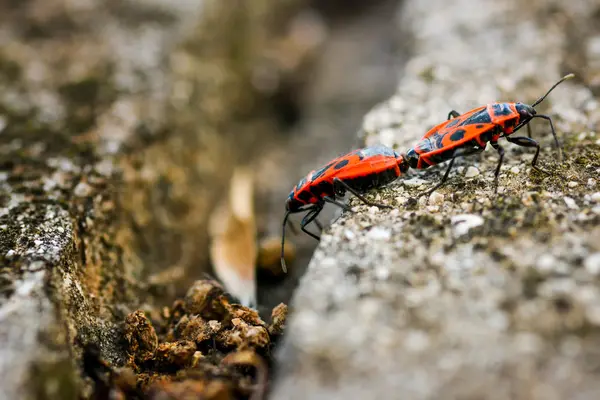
[469, 133]
[355, 172]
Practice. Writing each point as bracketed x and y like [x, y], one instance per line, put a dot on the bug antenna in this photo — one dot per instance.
[564, 78]
[283, 267]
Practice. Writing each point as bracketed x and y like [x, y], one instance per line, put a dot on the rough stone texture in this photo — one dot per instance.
[118, 122]
[466, 294]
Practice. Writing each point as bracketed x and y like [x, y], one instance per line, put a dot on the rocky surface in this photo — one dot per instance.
[467, 293]
[119, 124]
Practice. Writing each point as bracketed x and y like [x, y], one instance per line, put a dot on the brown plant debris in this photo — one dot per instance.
[233, 247]
[203, 346]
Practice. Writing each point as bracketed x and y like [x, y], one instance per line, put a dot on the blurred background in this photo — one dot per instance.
[167, 99]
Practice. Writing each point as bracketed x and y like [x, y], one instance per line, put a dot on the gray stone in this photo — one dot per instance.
[429, 314]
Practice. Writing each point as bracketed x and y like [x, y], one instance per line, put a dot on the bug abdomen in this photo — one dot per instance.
[373, 180]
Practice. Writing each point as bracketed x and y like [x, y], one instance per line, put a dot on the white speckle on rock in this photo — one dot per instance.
[463, 223]
[572, 184]
[595, 197]
[38, 242]
[570, 203]
[382, 273]
[436, 198]
[348, 234]
[592, 263]
[105, 167]
[373, 210]
[61, 229]
[329, 262]
[515, 170]
[471, 172]
[10, 253]
[591, 182]
[416, 341]
[378, 233]
[413, 182]
[545, 263]
[82, 189]
[401, 200]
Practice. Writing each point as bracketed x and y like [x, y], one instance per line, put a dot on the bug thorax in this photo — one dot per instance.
[525, 111]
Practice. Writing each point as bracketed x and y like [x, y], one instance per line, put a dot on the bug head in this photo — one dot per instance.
[526, 112]
[402, 161]
[291, 204]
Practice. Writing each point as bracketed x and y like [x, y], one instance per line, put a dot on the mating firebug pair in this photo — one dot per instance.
[374, 167]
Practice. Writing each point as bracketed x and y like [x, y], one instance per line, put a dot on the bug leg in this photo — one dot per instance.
[457, 153]
[558, 146]
[500, 151]
[528, 142]
[339, 182]
[308, 218]
[444, 178]
[310, 209]
[343, 206]
[453, 114]
[529, 131]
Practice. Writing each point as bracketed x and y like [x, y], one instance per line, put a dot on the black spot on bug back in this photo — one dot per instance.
[341, 164]
[479, 126]
[480, 117]
[320, 172]
[501, 109]
[457, 135]
[453, 122]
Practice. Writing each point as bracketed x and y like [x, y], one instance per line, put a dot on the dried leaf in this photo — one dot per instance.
[233, 232]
